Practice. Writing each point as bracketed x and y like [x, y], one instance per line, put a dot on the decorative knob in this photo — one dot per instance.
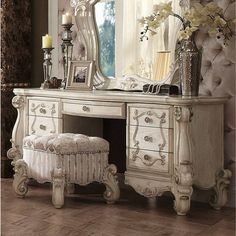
[148, 139]
[148, 120]
[85, 108]
[42, 127]
[147, 158]
[42, 110]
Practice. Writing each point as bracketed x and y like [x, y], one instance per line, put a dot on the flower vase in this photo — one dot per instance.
[189, 67]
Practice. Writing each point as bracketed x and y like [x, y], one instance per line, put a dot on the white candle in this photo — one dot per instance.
[47, 41]
[66, 19]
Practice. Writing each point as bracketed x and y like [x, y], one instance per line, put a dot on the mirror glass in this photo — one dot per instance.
[121, 52]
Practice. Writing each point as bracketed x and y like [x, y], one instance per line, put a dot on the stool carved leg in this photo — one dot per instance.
[112, 192]
[220, 197]
[70, 188]
[20, 177]
[58, 182]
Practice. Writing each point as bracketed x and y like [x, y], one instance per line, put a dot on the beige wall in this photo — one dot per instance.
[39, 28]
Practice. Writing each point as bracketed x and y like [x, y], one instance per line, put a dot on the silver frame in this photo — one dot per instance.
[83, 86]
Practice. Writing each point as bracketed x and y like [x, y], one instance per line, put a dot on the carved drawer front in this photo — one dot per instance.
[43, 125]
[43, 108]
[95, 109]
[157, 116]
[155, 139]
[149, 160]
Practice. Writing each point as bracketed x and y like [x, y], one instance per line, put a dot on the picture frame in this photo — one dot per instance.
[80, 75]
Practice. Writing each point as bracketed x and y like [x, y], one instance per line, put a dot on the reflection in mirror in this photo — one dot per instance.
[122, 54]
[105, 18]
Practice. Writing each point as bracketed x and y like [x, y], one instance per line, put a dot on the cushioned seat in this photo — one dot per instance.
[66, 159]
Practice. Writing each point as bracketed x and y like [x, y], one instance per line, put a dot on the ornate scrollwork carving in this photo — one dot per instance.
[42, 108]
[18, 102]
[20, 178]
[150, 191]
[109, 178]
[183, 114]
[82, 5]
[161, 146]
[182, 187]
[14, 153]
[219, 198]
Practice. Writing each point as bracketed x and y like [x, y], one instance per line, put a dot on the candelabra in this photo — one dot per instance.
[67, 50]
[47, 68]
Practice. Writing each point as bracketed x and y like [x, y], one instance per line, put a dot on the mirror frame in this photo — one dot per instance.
[84, 11]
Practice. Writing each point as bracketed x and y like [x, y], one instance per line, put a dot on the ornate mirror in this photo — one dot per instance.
[110, 31]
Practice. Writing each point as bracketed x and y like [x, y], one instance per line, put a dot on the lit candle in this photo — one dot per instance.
[66, 19]
[47, 41]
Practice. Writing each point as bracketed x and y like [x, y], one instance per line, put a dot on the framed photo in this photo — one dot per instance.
[80, 75]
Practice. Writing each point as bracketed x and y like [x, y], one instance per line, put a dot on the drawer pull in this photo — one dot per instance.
[148, 120]
[147, 158]
[85, 108]
[42, 127]
[42, 110]
[148, 139]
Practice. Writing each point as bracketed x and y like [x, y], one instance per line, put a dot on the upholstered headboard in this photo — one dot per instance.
[218, 75]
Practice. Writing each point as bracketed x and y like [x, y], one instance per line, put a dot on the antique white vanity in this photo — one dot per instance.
[173, 143]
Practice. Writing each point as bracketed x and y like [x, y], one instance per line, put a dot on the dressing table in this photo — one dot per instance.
[172, 143]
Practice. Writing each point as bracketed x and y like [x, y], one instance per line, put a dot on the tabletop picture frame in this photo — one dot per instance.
[80, 75]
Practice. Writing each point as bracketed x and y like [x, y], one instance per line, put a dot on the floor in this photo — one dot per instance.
[87, 214]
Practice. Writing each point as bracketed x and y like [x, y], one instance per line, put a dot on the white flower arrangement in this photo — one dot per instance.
[209, 16]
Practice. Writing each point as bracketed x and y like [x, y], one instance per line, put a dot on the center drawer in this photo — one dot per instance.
[95, 109]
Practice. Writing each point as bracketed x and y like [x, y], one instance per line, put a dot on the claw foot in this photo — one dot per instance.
[112, 192]
[20, 177]
[220, 197]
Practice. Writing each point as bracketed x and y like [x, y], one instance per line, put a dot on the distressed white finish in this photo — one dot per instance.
[65, 159]
[186, 134]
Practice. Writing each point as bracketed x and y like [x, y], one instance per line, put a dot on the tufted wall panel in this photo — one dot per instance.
[218, 79]
[218, 75]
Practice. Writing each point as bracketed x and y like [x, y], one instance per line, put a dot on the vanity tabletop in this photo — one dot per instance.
[117, 96]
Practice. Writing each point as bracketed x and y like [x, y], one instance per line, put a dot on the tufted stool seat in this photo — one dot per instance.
[65, 159]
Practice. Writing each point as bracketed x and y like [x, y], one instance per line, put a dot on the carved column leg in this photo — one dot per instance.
[182, 188]
[20, 177]
[220, 196]
[182, 183]
[112, 192]
[58, 182]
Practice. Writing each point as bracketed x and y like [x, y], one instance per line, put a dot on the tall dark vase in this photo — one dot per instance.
[190, 67]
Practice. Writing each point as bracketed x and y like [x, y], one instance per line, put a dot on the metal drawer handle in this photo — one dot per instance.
[42, 110]
[85, 108]
[148, 139]
[147, 158]
[42, 127]
[148, 120]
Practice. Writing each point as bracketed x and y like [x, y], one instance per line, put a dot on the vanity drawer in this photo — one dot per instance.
[154, 116]
[44, 125]
[149, 138]
[149, 160]
[95, 109]
[44, 108]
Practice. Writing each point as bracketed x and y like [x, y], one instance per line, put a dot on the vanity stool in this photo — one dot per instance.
[65, 160]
